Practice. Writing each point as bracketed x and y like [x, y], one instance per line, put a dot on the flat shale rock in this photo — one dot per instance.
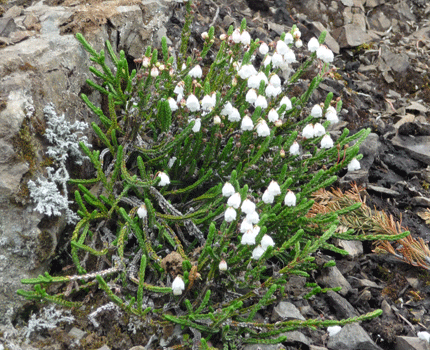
[352, 337]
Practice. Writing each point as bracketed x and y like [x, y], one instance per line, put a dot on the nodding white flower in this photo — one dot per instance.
[261, 102]
[172, 104]
[197, 124]
[331, 115]
[230, 214]
[248, 238]
[246, 71]
[277, 60]
[178, 286]
[257, 252]
[316, 111]
[245, 38]
[208, 103]
[154, 72]
[290, 56]
[234, 115]
[217, 120]
[268, 197]
[264, 49]
[267, 241]
[281, 47]
[298, 43]
[274, 188]
[146, 62]
[333, 330]
[261, 76]
[236, 37]
[267, 61]
[253, 217]
[313, 44]
[171, 162]
[325, 54]
[272, 91]
[327, 142]
[286, 101]
[251, 96]
[262, 128]
[319, 130]
[184, 66]
[354, 165]
[222, 265]
[288, 38]
[193, 103]
[165, 180]
[234, 200]
[253, 82]
[295, 149]
[256, 230]
[247, 207]
[275, 80]
[290, 199]
[228, 190]
[179, 88]
[245, 226]
[196, 72]
[141, 212]
[273, 116]
[247, 124]
[308, 131]
[227, 109]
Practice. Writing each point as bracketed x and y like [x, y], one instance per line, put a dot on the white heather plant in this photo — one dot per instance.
[215, 168]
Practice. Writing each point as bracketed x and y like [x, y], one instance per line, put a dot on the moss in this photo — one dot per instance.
[45, 247]
[24, 146]
[26, 66]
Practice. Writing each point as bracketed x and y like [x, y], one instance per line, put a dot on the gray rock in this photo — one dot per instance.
[421, 201]
[350, 35]
[48, 68]
[386, 308]
[379, 21]
[354, 248]
[286, 311]
[352, 337]
[314, 347]
[411, 343]
[341, 306]
[7, 26]
[398, 62]
[77, 333]
[417, 147]
[13, 12]
[296, 337]
[383, 190]
[374, 3]
[347, 2]
[331, 278]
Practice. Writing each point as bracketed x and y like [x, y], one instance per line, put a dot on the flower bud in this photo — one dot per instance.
[223, 265]
[205, 35]
[223, 36]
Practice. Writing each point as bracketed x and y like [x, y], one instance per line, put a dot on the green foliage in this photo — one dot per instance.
[133, 217]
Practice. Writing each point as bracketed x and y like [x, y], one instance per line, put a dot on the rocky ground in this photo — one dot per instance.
[382, 52]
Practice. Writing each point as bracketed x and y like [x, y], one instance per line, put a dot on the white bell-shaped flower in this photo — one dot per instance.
[288, 38]
[275, 80]
[354, 165]
[294, 149]
[197, 124]
[172, 104]
[178, 286]
[228, 190]
[230, 214]
[222, 265]
[247, 124]
[261, 102]
[268, 197]
[308, 131]
[236, 37]
[208, 103]
[290, 56]
[264, 49]
[326, 142]
[313, 44]
[245, 38]
[331, 115]
[247, 206]
[193, 103]
[257, 252]
[277, 60]
[281, 47]
[253, 217]
[319, 130]
[165, 180]
[267, 241]
[234, 115]
[226, 110]
[263, 129]
[248, 238]
[234, 200]
[316, 111]
[287, 102]
[273, 116]
[251, 96]
[196, 72]
[290, 199]
[274, 188]
[142, 212]
[247, 71]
